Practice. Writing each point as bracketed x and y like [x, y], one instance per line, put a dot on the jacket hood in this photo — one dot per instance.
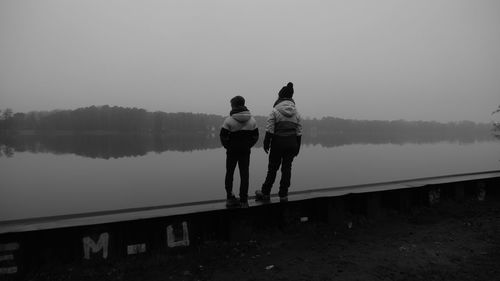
[242, 116]
[287, 108]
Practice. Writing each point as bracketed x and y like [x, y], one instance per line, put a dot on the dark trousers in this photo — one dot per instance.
[242, 158]
[279, 156]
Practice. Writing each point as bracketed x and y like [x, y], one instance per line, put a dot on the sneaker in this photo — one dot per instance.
[232, 202]
[261, 197]
[243, 205]
[284, 199]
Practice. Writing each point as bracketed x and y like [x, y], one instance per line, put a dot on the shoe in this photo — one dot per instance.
[284, 199]
[243, 205]
[261, 197]
[232, 202]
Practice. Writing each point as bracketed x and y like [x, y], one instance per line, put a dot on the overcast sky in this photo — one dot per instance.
[361, 59]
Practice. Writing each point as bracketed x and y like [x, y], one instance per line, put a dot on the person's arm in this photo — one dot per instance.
[267, 141]
[299, 125]
[299, 140]
[299, 134]
[224, 135]
[255, 137]
[269, 131]
[271, 120]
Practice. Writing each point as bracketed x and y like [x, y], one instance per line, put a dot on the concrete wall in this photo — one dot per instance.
[21, 252]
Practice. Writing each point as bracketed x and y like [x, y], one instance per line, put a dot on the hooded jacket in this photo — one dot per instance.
[284, 120]
[239, 131]
[284, 127]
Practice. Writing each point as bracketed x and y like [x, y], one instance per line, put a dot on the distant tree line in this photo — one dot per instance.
[338, 126]
[110, 119]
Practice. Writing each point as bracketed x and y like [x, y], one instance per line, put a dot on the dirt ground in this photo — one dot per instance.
[451, 242]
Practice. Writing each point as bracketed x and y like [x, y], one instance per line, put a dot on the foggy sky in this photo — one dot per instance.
[361, 59]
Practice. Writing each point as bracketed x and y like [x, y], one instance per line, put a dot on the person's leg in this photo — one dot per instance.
[272, 169]
[243, 165]
[231, 161]
[286, 172]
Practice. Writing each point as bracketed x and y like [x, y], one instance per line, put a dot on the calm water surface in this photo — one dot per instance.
[44, 182]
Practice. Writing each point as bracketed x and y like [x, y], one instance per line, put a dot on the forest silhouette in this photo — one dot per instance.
[124, 119]
[113, 132]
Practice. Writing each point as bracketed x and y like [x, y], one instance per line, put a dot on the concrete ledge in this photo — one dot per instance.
[28, 244]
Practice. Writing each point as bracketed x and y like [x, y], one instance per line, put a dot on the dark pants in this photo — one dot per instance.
[242, 158]
[279, 156]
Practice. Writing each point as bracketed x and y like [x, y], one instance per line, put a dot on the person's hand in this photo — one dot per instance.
[266, 149]
[267, 142]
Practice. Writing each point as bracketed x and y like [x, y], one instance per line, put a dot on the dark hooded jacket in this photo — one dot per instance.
[239, 131]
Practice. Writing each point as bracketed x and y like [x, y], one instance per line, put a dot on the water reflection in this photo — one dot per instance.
[36, 182]
[334, 140]
[106, 146]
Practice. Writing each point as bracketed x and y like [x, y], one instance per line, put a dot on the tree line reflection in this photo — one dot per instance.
[109, 146]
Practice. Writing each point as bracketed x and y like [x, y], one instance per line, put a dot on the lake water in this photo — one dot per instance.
[75, 174]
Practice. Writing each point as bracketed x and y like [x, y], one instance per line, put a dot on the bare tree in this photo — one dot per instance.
[496, 125]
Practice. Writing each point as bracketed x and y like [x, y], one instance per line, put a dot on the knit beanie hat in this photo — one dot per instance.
[287, 91]
[237, 101]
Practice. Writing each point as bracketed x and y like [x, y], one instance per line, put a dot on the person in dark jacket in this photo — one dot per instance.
[283, 139]
[238, 134]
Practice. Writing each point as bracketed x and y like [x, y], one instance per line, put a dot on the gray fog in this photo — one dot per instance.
[362, 59]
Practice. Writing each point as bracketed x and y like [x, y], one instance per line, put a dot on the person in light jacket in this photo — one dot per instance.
[282, 142]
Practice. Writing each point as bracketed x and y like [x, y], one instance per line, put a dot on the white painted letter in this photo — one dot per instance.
[434, 196]
[481, 195]
[102, 244]
[9, 247]
[171, 239]
[136, 249]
